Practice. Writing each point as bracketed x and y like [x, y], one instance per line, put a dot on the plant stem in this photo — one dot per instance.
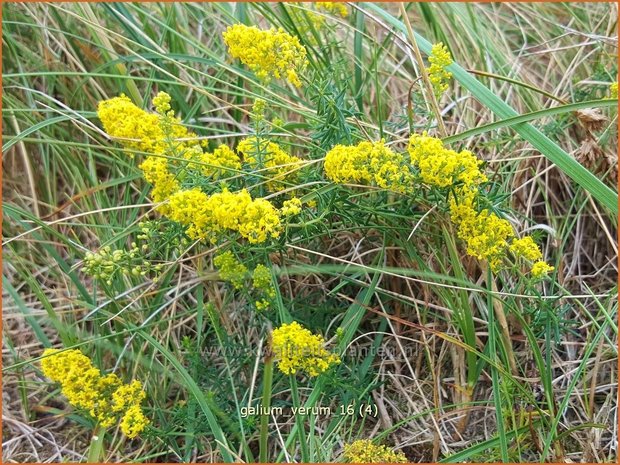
[497, 400]
[266, 403]
[503, 324]
[298, 419]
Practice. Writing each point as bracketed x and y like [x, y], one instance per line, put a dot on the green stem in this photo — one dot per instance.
[95, 450]
[266, 403]
[299, 421]
[497, 400]
[518, 83]
[358, 51]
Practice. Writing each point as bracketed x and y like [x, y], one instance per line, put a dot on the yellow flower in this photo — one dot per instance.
[128, 395]
[80, 381]
[161, 102]
[297, 349]
[613, 90]
[136, 128]
[209, 216]
[155, 170]
[188, 207]
[140, 130]
[526, 248]
[104, 397]
[485, 233]
[272, 53]
[260, 221]
[271, 161]
[437, 73]
[442, 167]
[541, 269]
[222, 162]
[133, 421]
[368, 163]
[335, 8]
[231, 269]
[364, 451]
[291, 207]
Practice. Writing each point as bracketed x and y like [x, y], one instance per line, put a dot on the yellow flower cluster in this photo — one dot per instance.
[485, 233]
[541, 269]
[271, 53]
[364, 451]
[223, 162]
[165, 183]
[270, 161]
[231, 269]
[161, 135]
[208, 216]
[133, 422]
[140, 130]
[488, 237]
[442, 167]
[291, 207]
[368, 163]
[437, 73]
[136, 128]
[335, 8]
[613, 90]
[526, 248]
[105, 398]
[297, 349]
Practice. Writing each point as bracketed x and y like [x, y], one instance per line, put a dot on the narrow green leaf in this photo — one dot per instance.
[530, 117]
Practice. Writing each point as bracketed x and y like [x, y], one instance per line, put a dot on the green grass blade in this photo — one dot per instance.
[497, 388]
[508, 122]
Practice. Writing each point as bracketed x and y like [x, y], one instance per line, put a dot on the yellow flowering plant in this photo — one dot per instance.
[368, 163]
[270, 54]
[104, 397]
[439, 59]
[176, 162]
[296, 349]
[365, 451]
[324, 236]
